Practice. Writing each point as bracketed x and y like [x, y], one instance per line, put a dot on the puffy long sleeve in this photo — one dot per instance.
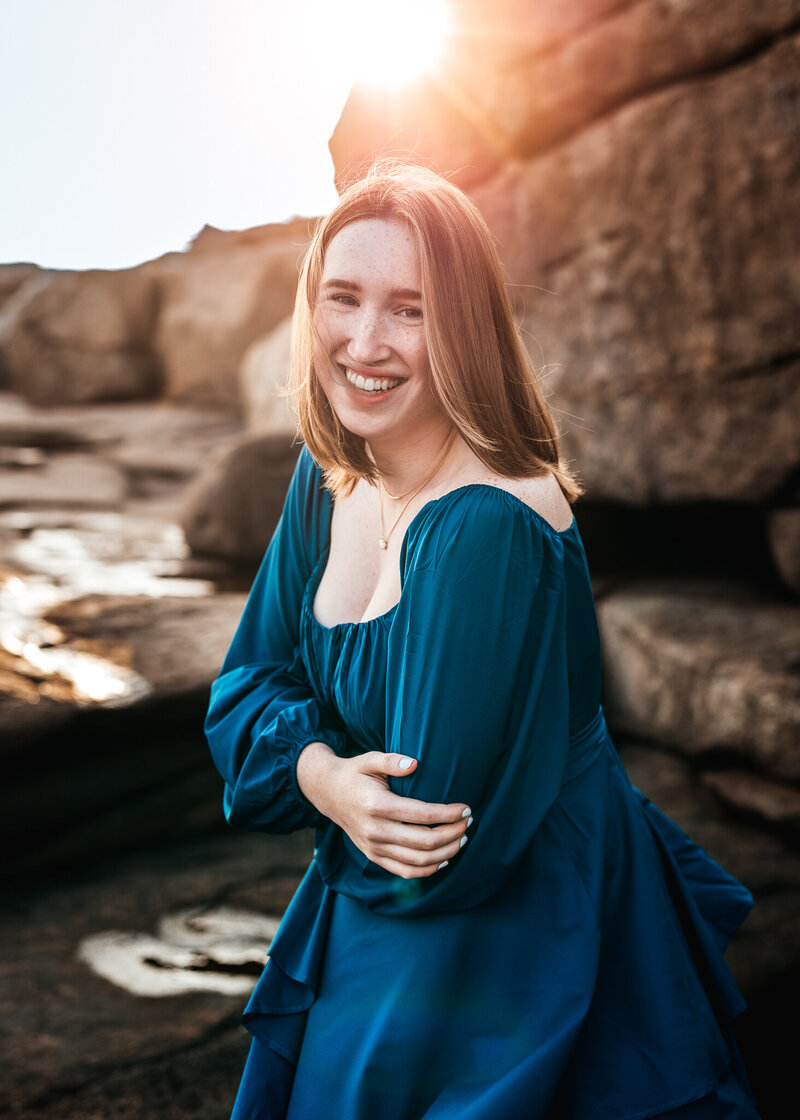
[262, 711]
[476, 691]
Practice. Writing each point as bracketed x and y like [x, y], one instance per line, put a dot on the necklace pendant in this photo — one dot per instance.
[382, 543]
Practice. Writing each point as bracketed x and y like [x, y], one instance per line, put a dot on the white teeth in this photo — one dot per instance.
[371, 384]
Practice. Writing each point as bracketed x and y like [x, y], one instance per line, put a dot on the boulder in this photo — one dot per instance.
[668, 318]
[234, 504]
[706, 667]
[783, 530]
[217, 300]
[263, 378]
[77, 337]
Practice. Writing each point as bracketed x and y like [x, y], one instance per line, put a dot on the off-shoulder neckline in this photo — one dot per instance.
[315, 578]
[514, 498]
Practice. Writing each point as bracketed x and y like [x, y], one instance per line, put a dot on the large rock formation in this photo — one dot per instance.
[218, 299]
[637, 163]
[177, 326]
[75, 337]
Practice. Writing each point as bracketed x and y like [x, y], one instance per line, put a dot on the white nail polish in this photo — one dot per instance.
[463, 841]
[404, 763]
[469, 822]
[466, 813]
[441, 865]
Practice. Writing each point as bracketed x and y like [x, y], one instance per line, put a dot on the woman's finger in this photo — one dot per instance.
[411, 811]
[420, 837]
[418, 858]
[378, 762]
[410, 864]
[406, 870]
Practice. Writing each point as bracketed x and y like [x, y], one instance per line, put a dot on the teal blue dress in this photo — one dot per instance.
[569, 961]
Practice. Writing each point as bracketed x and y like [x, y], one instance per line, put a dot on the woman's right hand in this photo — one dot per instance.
[409, 838]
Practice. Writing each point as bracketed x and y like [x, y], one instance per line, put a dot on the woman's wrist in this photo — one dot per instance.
[315, 768]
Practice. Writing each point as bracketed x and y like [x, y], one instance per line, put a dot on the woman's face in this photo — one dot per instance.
[369, 318]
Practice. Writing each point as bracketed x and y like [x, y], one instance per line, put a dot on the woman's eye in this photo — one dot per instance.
[411, 312]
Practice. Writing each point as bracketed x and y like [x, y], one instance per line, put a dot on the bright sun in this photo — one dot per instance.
[390, 44]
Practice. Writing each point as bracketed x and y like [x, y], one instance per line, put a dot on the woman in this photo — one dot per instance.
[495, 923]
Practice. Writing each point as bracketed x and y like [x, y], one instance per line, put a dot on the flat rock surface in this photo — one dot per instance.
[65, 479]
[157, 437]
[75, 1044]
[175, 644]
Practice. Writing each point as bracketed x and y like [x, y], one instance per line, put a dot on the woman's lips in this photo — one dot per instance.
[371, 384]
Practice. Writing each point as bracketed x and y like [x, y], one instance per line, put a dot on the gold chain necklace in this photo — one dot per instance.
[383, 539]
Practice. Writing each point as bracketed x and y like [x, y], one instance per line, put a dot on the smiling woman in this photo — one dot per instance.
[495, 922]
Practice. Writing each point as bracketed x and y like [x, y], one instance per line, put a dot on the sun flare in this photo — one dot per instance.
[392, 45]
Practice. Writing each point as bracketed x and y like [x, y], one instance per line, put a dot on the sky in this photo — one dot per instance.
[128, 125]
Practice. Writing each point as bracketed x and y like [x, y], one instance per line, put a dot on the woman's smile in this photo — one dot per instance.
[371, 383]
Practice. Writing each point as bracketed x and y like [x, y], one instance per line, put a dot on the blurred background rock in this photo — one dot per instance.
[639, 165]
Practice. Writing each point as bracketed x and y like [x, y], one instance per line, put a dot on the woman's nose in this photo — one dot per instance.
[367, 341]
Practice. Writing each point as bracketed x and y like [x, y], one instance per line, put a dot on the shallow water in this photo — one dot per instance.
[48, 558]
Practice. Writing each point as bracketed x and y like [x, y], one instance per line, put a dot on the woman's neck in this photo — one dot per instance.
[403, 468]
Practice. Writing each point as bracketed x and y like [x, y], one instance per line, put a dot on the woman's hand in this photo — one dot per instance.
[412, 839]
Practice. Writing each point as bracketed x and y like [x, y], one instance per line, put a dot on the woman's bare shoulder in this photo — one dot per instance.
[542, 493]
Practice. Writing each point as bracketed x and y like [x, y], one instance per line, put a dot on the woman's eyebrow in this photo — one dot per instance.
[351, 286]
[334, 283]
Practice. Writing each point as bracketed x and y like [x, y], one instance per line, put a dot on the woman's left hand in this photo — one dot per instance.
[409, 838]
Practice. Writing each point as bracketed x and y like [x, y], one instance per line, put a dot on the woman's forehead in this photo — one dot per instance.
[379, 249]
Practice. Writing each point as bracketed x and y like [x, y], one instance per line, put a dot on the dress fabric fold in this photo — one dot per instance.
[569, 962]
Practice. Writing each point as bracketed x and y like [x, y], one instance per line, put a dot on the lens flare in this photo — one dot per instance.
[392, 45]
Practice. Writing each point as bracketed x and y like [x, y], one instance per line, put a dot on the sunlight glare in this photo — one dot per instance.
[391, 45]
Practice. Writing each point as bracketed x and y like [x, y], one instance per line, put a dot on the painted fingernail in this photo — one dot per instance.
[405, 762]
[441, 865]
[466, 813]
[463, 841]
[469, 822]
